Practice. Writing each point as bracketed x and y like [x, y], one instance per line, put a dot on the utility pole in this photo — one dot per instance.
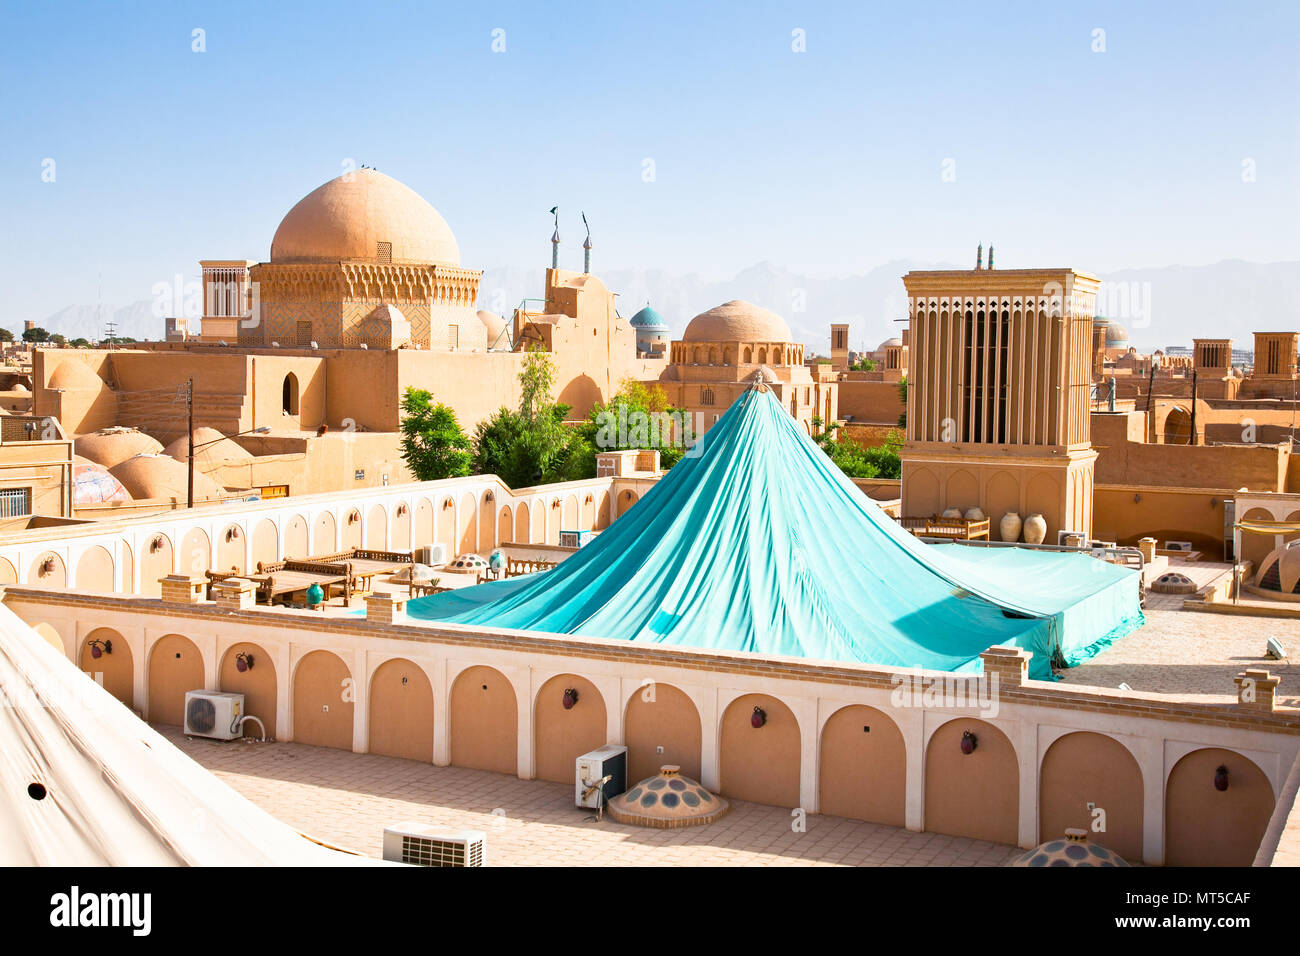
[189, 434]
[1151, 388]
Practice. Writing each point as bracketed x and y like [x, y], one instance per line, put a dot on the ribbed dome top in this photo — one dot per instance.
[648, 318]
[737, 321]
[350, 216]
[889, 343]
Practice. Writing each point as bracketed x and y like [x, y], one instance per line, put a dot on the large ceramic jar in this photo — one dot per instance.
[1010, 526]
[1035, 529]
[975, 514]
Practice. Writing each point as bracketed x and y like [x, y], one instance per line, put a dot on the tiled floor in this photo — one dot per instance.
[347, 799]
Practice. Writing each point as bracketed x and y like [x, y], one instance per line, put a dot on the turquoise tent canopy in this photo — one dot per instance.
[756, 541]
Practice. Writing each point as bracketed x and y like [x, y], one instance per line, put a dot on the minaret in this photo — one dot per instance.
[979, 257]
[586, 248]
[555, 239]
[990, 255]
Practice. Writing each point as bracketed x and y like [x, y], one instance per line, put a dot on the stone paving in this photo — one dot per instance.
[1194, 653]
[347, 799]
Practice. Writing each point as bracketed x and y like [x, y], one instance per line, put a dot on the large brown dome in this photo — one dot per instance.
[737, 321]
[161, 476]
[112, 446]
[349, 217]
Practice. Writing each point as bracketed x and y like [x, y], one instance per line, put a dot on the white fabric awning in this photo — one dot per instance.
[115, 792]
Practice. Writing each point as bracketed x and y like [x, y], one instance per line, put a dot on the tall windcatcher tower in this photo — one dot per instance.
[998, 399]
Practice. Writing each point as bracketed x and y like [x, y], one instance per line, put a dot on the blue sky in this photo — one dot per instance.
[828, 161]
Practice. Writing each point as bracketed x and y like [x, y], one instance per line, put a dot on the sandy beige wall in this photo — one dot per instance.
[484, 717]
[1208, 827]
[175, 668]
[870, 402]
[1126, 514]
[1083, 768]
[972, 795]
[760, 764]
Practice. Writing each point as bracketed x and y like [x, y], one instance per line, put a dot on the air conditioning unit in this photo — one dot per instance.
[574, 539]
[1178, 546]
[212, 713]
[419, 844]
[594, 767]
[431, 554]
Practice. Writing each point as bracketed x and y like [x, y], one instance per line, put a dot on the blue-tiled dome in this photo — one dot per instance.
[1072, 850]
[648, 318]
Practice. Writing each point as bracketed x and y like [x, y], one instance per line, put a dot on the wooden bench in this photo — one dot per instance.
[936, 526]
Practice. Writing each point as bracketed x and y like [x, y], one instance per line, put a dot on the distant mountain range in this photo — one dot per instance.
[1159, 306]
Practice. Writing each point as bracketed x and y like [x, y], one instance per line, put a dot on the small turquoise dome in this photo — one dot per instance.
[648, 318]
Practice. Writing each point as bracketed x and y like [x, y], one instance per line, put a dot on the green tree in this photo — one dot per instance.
[433, 444]
[6, 335]
[533, 445]
[36, 334]
[652, 423]
[494, 442]
[865, 365]
[58, 339]
[902, 397]
[858, 462]
[79, 343]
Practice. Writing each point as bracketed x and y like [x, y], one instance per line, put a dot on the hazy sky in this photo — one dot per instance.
[828, 161]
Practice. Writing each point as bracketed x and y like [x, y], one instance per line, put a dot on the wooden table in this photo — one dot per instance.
[277, 583]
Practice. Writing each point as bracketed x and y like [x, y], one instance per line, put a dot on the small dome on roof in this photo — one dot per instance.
[214, 450]
[737, 321]
[468, 563]
[667, 800]
[112, 446]
[19, 387]
[648, 318]
[162, 476]
[1073, 850]
[889, 343]
[1116, 336]
[72, 375]
[764, 374]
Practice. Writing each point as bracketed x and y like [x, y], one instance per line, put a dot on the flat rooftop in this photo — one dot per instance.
[1194, 654]
[347, 799]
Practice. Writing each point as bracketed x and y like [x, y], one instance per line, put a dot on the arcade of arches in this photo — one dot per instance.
[861, 760]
